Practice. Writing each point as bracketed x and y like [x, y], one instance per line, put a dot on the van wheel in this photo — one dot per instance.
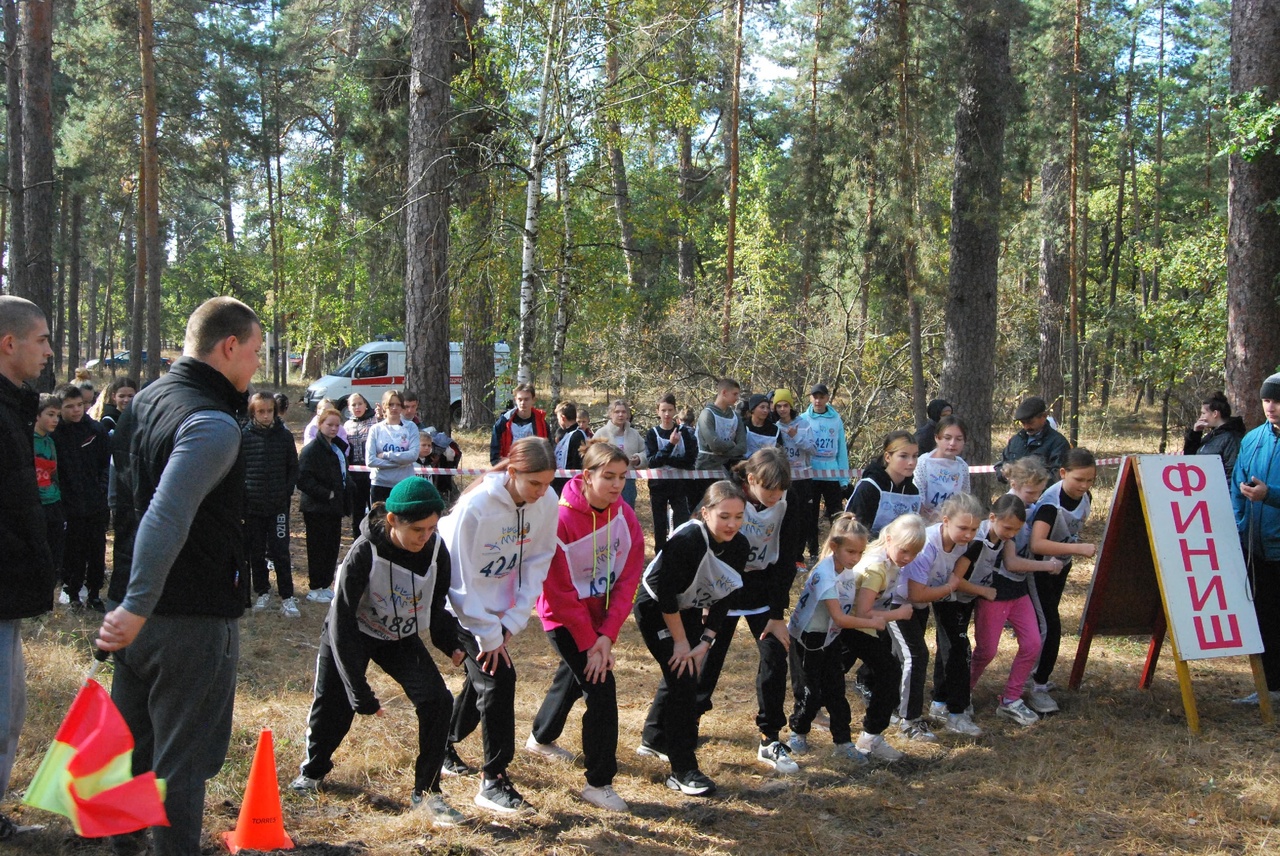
[455, 414]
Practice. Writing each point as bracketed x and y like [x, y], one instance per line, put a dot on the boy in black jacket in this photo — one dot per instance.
[83, 460]
[271, 474]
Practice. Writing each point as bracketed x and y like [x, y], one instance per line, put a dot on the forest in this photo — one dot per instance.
[987, 198]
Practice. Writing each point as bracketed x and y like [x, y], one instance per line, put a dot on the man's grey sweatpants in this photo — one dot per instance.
[13, 696]
[176, 687]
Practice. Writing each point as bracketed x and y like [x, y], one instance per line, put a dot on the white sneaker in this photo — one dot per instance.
[64, 599]
[606, 798]
[874, 746]
[323, 595]
[849, 752]
[547, 750]
[915, 729]
[938, 711]
[263, 601]
[289, 608]
[1031, 684]
[1041, 702]
[778, 756]
[798, 744]
[305, 784]
[1252, 698]
[1017, 711]
[959, 723]
[645, 751]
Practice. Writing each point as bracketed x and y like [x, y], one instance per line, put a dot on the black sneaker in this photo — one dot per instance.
[455, 766]
[501, 796]
[692, 782]
[96, 604]
[8, 828]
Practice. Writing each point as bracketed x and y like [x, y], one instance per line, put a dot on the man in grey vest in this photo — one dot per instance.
[173, 623]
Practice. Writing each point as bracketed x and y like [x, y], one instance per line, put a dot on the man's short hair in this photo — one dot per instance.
[726, 383]
[1218, 403]
[68, 391]
[215, 320]
[47, 400]
[18, 315]
[567, 409]
[525, 387]
[409, 395]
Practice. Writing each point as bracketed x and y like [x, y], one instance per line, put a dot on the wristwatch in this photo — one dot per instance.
[710, 640]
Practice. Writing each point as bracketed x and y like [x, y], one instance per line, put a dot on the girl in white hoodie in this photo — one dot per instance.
[391, 448]
[501, 536]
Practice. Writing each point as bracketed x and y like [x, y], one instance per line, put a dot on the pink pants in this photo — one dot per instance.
[989, 618]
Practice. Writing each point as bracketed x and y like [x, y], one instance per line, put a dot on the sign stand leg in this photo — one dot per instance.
[1188, 696]
[1082, 655]
[1260, 682]
[1158, 627]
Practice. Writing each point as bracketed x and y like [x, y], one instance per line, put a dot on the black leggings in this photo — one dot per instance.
[1046, 594]
[771, 673]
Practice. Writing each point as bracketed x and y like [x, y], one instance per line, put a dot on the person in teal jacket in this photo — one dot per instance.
[1255, 496]
[832, 453]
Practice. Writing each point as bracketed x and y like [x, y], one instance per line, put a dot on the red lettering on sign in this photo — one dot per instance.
[1201, 508]
[1210, 550]
[1188, 477]
[1218, 640]
[1198, 599]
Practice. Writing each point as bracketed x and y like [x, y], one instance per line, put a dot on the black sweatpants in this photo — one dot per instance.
[55, 529]
[324, 541]
[358, 496]
[828, 494]
[803, 490]
[672, 724]
[913, 653]
[599, 721]
[408, 663]
[267, 537]
[84, 557]
[771, 674]
[1266, 603]
[886, 673]
[1046, 594]
[664, 493]
[951, 665]
[820, 674]
[488, 700]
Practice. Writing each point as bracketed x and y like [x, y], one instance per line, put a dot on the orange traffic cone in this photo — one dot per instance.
[261, 824]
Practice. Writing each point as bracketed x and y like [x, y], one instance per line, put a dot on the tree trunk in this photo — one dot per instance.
[968, 369]
[533, 201]
[731, 228]
[618, 167]
[686, 247]
[59, 326]
[73, 285]
[1053, 277]
[150, 187]
[561, 330]
[18, 282]
[138, 303]
[37, 158]
[426, 287]
[1253, 253]
[1125, 158]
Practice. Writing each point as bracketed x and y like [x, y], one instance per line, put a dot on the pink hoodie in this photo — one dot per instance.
[595, 601]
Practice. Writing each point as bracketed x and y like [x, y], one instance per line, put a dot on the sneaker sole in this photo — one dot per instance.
[485, 803]
[562, 755]
[1016, 720]
[690, 790]
[649, 752]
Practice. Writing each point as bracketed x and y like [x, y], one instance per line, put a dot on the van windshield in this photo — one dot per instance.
[350, 363]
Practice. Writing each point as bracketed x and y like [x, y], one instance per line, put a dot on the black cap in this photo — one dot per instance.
[755, 401]
[1030, 407]
[819, 389]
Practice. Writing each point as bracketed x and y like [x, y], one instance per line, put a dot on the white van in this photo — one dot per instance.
[376, 367]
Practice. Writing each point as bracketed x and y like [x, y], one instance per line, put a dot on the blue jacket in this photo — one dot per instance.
[1258, 522]
[833, 451]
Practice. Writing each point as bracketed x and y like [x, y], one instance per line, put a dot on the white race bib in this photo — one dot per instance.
[596, 559]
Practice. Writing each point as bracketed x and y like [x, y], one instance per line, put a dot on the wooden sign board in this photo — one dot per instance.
[1171, 562]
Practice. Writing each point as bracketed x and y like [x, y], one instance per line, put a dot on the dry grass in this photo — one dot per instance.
[1116, 772]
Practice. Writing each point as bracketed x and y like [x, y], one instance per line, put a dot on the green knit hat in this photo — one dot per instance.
[415, 495]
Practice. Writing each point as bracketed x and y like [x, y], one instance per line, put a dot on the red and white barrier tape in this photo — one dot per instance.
[665, 473]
